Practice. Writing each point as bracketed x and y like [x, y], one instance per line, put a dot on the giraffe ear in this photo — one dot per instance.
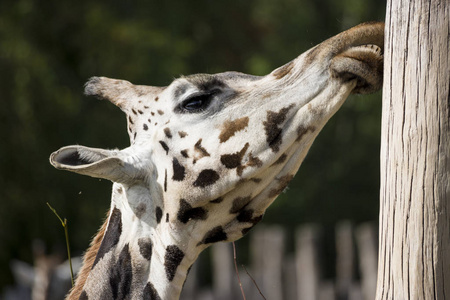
[121, 93]
[99, 163]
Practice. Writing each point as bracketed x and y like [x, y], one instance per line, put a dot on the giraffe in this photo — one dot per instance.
[208, 154]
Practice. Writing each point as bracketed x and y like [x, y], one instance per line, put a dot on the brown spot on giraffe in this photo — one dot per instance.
[158, 214]
[112, 235]
[167, 132]
[229, 128]
[200, 151]
[283, 183]
[187, 212]
[280, 160]
[239, 203]
[150, 292]
[165, 147]
[311, 55]
[217, 234]
[139, 92]
[184, 153]
[301, 131]
[140, 210]
[271, 126]
[218, 200]
[145, 247]
[121, 276]
[253, 161]
[232, 161]
[254, 221]
[179, 171]
[245, 215]
[172, 260]
[256, 180]
[165, 180]
[206, 177]
[283, 70]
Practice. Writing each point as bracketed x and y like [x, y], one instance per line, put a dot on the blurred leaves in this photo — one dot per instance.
[48, 49]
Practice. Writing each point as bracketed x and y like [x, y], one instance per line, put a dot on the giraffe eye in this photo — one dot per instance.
[197, 102]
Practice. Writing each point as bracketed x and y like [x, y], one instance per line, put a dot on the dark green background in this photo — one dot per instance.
[48, 49]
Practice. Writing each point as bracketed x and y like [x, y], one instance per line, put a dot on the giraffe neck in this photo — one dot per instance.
[137, 256]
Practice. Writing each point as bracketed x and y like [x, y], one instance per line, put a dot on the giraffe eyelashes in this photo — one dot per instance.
[197, 102]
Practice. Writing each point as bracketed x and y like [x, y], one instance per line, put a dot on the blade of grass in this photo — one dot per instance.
[66, 232]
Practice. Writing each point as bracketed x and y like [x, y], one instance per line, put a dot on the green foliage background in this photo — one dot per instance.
[48, 49]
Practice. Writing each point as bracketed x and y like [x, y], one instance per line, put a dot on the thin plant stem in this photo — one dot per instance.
[254, 282]
[66, 232]
[237, 271]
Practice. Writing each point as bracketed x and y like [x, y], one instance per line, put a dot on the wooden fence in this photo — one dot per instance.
[299, 275]
[279, 267]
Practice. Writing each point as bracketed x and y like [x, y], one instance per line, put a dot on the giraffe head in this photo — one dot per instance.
[210, 153]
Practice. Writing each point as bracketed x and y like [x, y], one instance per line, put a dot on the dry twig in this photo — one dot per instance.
[237, 271]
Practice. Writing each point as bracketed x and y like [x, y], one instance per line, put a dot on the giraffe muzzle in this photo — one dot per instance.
[357, 54]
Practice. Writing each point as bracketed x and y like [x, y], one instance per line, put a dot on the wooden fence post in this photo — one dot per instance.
[366, 242]
[344, 259]
[290, 278]
[307, 262]
[223, 271]
[414, 251]
[267, 250]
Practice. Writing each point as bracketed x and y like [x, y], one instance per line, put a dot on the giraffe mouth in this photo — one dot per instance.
[361, 63]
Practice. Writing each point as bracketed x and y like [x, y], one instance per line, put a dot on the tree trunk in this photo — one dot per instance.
[414, 256]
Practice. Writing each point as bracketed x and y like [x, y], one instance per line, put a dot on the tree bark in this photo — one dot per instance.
[414, 251]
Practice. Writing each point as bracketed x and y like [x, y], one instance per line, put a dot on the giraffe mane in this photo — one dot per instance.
[88, 261]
